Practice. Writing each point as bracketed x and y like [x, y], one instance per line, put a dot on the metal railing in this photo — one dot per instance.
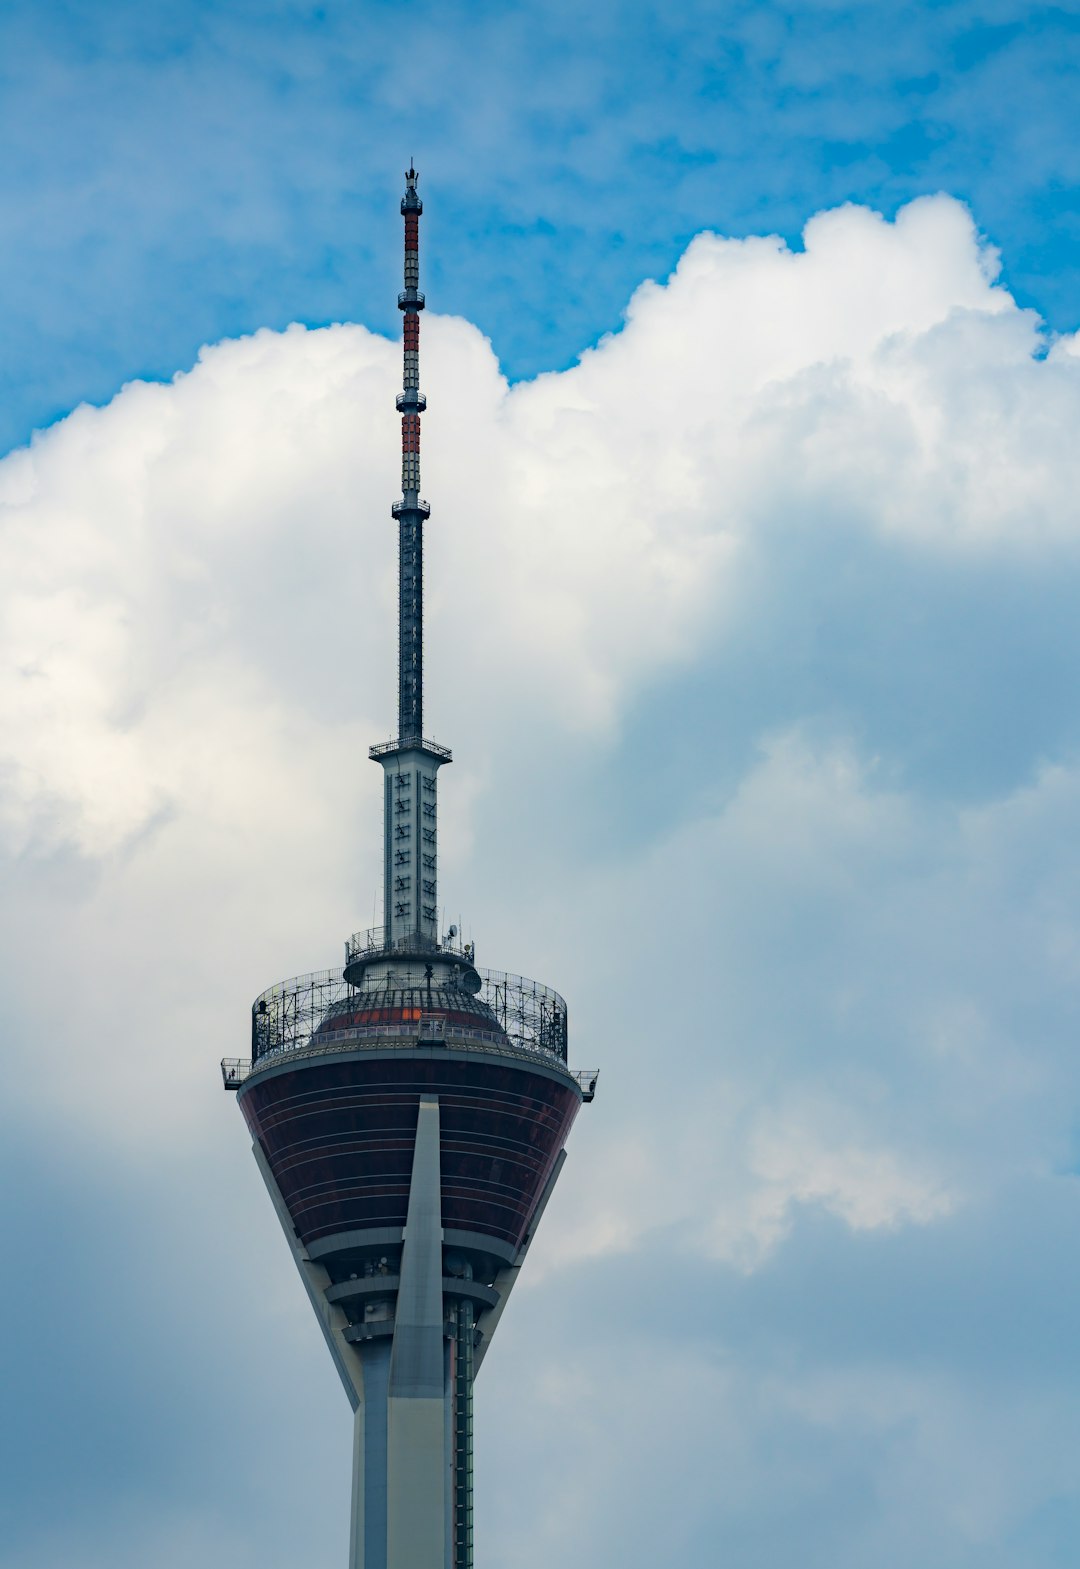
[586, 1078]
[235, 1070]
[376, 940]
[323, 1007]
[405, 743]
[532, 1015]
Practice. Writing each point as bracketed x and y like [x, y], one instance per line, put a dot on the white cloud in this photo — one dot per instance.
[711, 620]
[589, 526]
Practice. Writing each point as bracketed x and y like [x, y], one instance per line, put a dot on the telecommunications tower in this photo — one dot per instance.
[409, 1113]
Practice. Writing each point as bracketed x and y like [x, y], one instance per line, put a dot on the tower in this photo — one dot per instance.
[409, 1113]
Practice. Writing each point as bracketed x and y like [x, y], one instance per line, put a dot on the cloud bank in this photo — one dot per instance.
[754, 636]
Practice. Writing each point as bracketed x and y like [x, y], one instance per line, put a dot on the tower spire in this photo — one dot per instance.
[410, 764]
[410, 511]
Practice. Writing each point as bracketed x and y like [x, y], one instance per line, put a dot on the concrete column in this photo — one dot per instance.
[418, 1461]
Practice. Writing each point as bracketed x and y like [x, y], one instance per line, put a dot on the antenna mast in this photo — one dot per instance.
[410, 764]
[410, 511]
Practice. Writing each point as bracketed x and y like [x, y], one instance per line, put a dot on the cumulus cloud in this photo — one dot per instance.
[594, 522]
[752, 632]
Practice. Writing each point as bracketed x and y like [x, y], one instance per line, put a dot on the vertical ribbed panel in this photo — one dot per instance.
[463, 1437]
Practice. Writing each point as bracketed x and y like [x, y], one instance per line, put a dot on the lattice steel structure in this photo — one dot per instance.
[409, 1114]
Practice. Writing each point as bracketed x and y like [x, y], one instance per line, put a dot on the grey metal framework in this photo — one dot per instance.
[464, 1347]
[317, 1008]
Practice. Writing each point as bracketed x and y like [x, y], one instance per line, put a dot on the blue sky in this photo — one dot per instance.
[751, 622]
[177, 174]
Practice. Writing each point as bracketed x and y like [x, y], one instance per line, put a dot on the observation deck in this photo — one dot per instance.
[312, 1014]
[338, 1068]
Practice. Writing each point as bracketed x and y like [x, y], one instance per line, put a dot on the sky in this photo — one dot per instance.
[753, 371]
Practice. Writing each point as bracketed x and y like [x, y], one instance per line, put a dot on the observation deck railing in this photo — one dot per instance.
[311, 1010]
[235, 1070]
[404, 743]
[376, 941]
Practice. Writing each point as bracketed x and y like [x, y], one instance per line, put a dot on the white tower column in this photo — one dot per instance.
[418, 1462]
[410, 843]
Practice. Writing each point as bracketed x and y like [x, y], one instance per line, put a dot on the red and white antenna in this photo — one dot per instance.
[410, 511]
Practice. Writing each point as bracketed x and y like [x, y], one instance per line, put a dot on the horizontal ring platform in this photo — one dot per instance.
[388, 1285]
[342, 1244]
[410, 744]
[404, 509]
